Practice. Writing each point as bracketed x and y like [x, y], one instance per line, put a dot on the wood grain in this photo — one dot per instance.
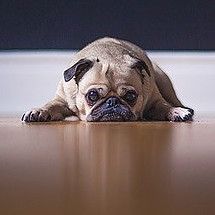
[107, 168]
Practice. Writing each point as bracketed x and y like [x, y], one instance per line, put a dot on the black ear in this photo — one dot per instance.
[140, 65]
[78, 70]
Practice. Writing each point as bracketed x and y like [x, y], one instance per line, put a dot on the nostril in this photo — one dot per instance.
[112, 101]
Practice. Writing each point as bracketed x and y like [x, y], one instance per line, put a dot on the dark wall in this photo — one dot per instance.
[63, 24]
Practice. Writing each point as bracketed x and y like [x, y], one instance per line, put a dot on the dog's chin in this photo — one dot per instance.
[111, 115]
[114, 117]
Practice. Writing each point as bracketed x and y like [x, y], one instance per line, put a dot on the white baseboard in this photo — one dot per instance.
[29, 79]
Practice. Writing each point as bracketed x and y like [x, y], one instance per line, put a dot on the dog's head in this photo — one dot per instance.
[113, 90]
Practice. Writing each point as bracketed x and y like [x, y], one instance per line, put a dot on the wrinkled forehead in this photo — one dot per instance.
[111, 74]
[122, 75]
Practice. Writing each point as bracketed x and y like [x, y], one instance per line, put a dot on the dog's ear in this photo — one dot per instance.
[140, 65]
[78, 70]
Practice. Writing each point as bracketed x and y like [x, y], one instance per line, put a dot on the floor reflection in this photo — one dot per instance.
[107, 168]
[113, 165]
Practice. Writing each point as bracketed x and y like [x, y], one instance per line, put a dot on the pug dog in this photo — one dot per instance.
[112, 80]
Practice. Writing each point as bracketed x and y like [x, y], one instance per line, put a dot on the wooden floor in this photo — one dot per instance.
[79, 168]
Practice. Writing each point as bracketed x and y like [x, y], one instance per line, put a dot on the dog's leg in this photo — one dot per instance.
[160, 109]
[165, 87]
[54, 110]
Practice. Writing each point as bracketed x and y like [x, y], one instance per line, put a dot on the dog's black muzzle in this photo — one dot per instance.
[112, 109]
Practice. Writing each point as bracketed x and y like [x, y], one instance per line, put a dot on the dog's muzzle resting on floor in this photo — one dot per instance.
[112, 80]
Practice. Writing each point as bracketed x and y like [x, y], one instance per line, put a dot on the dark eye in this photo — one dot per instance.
[92, 96]
[130, 97]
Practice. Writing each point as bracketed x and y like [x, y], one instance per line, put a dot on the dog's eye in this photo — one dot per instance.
[92, 96]
[130, 97]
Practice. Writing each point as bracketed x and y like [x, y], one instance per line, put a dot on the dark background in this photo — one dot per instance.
[63, 24]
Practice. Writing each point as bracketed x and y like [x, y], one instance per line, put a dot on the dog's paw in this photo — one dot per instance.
[36, 115]
[179, 114]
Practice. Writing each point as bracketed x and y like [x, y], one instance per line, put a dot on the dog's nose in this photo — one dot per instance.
[112, 101]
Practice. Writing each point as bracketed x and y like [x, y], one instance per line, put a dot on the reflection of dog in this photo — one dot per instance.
[112, 80]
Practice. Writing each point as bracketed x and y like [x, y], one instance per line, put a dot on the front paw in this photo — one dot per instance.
[36, 115]
[178, 114]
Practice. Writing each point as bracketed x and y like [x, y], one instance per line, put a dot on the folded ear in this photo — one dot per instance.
[78, 70]
[141, 66]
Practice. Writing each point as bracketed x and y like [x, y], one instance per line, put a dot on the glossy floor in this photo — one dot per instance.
[107, 168]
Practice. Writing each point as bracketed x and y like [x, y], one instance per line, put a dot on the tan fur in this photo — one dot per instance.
[113, 73]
